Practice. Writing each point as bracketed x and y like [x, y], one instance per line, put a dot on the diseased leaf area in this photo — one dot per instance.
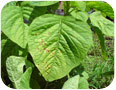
[57, 44]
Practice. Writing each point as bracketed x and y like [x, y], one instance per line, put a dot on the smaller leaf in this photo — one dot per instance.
[25, 79]
[14, 67]
[104, 7]
[83, 83]
[76, 82]
[105, 25]
[83, 16]
[72, 83]
[85, 75]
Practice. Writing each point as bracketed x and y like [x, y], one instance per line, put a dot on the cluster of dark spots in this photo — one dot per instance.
[44, 44]
[35, 34]
[47, 50]
[47, 73]
[44, 62]
[48, 67]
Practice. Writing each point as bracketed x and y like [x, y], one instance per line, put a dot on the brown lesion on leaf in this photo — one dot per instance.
[41, 40]
[47, 72]
[47, 50]
[35, 34]
[44, 44]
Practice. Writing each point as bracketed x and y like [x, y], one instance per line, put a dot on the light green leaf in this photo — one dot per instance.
[14, 66]
[104, 7]
[105, 25]
[13, 25]
[58, 44]
[19, 78]
[41, 3]
[83, 16]
[72, 83]
[76, 82]
[25, 79]
[83, 83]
[85, 75]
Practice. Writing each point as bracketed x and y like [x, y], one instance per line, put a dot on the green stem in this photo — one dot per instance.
[68, 76]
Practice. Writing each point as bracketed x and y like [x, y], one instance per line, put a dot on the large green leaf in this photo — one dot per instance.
[13, 26]
[58, 44]
[14, 67]
[76, 82]
[104, 7]
[105, 25]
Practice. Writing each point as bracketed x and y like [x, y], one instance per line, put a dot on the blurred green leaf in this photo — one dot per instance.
[105, 25]
[104, 7]
[76, 82]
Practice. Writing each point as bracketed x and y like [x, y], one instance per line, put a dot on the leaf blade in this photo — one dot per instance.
[54, 49]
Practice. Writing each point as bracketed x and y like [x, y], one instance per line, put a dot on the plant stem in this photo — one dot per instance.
[68, 76]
